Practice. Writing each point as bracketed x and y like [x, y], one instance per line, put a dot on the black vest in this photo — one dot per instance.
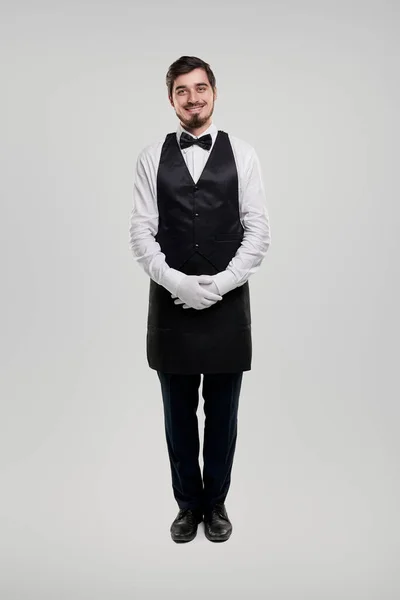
[199, 231]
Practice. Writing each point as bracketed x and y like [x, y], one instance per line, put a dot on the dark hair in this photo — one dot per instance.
[184, 65]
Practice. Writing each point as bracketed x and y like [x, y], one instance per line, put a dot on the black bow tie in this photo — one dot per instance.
[186, 140]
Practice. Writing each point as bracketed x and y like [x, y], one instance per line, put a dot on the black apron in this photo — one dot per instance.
[199, 232]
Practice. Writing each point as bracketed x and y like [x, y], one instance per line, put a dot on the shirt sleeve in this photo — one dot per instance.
[256, 236]
[143, 227]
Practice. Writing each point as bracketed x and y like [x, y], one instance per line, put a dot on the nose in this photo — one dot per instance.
[193, 97]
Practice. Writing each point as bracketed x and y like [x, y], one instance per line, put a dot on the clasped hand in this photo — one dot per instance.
[197, 291]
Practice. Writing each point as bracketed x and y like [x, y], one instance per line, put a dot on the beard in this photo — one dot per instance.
[196, 120]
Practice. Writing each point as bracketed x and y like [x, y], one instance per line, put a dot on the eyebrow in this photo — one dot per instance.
[179, 87]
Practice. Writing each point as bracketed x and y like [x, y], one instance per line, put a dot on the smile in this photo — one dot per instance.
[195, 109]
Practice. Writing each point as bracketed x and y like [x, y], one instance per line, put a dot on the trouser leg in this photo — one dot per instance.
[180, 399]
[221, 400]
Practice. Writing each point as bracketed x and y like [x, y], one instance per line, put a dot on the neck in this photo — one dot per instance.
[196, 131]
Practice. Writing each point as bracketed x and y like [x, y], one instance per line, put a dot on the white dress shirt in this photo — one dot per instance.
[252, 208]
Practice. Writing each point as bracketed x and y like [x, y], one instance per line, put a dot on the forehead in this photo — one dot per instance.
[193, 78]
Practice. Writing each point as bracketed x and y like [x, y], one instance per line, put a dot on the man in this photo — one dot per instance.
[199, 228]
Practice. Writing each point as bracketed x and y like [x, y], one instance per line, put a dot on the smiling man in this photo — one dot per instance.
[199, 228]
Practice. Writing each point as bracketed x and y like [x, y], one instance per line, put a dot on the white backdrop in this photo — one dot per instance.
[86, 500]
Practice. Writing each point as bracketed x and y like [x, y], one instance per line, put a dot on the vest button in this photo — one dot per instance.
[196, 187]
[196, 245]
[197, 214]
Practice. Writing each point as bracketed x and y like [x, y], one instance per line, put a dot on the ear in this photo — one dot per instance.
[170, 100]
[215, 93]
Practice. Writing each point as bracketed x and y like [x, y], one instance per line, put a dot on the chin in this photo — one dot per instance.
[195, 120]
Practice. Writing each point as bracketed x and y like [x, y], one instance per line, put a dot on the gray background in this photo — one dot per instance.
[86, 500]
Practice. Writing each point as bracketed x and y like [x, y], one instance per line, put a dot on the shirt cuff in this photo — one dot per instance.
[172, 279]
[225, 281]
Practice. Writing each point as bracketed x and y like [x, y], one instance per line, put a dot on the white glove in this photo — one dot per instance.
[193, 295]
[212, 287]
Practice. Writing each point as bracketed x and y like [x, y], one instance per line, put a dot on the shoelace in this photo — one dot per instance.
[218, 511]
[187, 512]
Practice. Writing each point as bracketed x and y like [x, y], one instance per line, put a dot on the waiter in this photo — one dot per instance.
[199, 228]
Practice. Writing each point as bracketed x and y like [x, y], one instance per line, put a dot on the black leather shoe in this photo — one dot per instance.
[217, 526]
[184, 527]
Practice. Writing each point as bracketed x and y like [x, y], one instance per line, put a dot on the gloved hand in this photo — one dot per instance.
[212, 287]
[192, 294]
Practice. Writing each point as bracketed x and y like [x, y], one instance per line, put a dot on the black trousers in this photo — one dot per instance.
[180, 394]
